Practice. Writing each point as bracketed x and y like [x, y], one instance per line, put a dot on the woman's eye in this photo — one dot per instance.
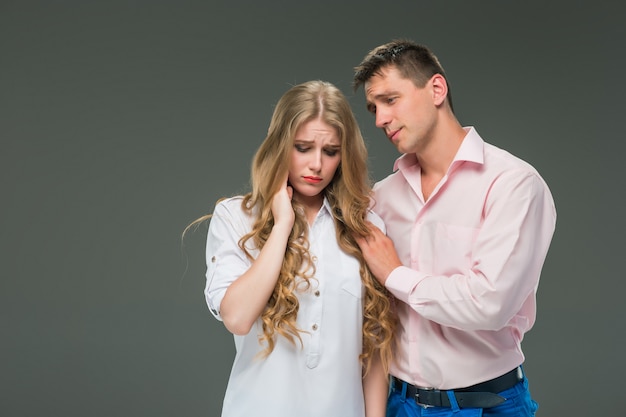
[301, 148]
[331, 152]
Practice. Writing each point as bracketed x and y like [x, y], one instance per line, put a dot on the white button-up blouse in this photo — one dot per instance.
[322, 377]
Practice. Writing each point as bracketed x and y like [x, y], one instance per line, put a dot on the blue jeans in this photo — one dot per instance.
[518, 404]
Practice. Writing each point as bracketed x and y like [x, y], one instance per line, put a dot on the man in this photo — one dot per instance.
[469, 226]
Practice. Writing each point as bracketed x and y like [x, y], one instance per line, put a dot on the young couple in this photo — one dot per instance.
[407, 299]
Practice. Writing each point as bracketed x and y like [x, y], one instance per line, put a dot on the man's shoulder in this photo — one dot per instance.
[391, 180]
[506, 168]
[503, 160]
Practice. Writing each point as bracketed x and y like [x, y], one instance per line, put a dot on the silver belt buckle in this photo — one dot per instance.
[417, 397]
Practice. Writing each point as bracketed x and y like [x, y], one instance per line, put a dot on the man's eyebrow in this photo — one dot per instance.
[384, 94]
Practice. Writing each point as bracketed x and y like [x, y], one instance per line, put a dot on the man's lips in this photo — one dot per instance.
[393, 134]
[312, 180]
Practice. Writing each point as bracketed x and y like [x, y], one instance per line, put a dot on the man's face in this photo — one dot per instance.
[405, 113]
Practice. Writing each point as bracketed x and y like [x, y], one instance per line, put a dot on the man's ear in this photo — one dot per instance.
[439, 88]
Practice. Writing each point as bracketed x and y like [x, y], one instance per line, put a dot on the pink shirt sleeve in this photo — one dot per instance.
[506, 257]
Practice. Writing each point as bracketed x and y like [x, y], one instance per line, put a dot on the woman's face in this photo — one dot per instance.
[315, 156]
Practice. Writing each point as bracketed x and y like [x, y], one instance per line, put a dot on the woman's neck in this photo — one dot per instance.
[311, 205]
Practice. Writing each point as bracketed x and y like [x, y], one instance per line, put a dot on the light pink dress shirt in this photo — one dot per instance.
[472, 256]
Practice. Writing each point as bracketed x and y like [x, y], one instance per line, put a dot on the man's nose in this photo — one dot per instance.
[382, 118]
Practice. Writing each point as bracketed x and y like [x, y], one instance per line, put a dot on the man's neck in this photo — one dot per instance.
[436, 158]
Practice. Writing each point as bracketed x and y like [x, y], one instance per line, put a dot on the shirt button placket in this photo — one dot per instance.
[317, 308]
[316, 311]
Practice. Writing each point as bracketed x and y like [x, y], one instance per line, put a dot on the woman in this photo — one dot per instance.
[312, 328]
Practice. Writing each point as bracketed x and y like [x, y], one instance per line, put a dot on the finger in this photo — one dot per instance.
[371, 231]
[360, 240]
[286, 186]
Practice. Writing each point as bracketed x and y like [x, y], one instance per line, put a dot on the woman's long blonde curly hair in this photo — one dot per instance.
[349, 196]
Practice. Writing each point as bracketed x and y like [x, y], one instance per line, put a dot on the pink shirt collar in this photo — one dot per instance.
[471, 150]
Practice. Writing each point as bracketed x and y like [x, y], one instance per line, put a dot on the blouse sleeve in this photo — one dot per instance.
[225, 260]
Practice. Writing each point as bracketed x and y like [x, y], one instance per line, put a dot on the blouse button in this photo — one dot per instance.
[213, 259]
[314, 327]
[317, 293]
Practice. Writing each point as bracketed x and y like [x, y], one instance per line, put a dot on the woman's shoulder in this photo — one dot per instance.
[376, 219]
[231, 212]
[228, 202]
[230, 207]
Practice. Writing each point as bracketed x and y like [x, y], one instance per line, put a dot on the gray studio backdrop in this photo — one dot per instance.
[121, 122]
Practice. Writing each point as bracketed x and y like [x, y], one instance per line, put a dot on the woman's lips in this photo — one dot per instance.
[313, 180]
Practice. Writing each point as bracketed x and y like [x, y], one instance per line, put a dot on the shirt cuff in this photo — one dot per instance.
[402, 282]
[214, 303]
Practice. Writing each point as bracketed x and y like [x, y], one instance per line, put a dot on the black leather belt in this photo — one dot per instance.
[483, 395]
